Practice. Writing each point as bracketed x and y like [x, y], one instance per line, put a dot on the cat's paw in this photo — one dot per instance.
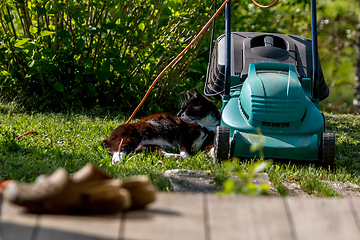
[184, 154]
[118, 157]
[175, 155]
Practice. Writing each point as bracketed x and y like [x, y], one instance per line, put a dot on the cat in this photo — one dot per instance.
[157, 129]
[160, 131]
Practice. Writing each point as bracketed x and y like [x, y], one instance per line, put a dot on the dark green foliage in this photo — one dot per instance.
[338, 28]
[61, 54]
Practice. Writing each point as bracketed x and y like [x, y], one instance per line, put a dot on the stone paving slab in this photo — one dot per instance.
[294, 190]
[183, 180]
[347, 190]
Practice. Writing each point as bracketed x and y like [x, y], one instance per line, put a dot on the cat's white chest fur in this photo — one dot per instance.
[210, 122]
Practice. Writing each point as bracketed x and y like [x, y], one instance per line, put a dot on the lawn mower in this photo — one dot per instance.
[270, 86]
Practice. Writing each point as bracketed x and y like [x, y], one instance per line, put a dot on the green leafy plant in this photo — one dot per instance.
[8, 141]
[245, 183]
[246, 178]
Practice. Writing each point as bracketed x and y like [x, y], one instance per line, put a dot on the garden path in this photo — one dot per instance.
[182, 180]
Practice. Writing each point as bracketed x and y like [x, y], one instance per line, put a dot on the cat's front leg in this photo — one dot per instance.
[182, 154]
[170, 155]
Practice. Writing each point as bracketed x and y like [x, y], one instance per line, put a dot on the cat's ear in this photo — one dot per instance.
[196, 93]
[188, 94]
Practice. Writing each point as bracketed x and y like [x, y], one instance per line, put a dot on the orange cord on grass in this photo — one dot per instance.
[262, 6]
[175, 60]
[27, 133]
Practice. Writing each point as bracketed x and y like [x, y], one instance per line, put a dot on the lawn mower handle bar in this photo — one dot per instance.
[315, 53]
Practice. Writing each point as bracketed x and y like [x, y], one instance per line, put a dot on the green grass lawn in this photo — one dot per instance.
[72, 140]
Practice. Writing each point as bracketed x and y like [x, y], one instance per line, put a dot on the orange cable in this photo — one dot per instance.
[262, 6]
[176, 59]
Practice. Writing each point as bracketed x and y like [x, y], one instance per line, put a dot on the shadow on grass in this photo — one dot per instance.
[27, 163]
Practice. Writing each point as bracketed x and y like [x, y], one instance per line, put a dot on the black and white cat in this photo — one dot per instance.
[156, 130]
[194, 129]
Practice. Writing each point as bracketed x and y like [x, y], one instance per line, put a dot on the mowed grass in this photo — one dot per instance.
[71, 140]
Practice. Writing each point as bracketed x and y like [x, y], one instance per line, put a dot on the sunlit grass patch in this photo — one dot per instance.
[71, 140]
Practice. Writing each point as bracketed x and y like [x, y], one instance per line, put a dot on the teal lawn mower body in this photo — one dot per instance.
[270, 86]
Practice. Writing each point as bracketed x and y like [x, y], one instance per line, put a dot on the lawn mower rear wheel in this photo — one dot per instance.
[221, 144]
[327, 149]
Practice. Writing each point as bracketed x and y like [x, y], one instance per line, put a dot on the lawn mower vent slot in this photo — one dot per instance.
[244, 112]
[272, 71]
[281, 125]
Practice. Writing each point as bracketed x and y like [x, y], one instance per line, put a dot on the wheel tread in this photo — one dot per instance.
[327, 149]
[221, 146]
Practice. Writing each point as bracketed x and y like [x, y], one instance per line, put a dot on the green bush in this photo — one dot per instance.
[60, 54]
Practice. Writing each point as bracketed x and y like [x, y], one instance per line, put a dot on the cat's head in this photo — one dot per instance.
[199, 109]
